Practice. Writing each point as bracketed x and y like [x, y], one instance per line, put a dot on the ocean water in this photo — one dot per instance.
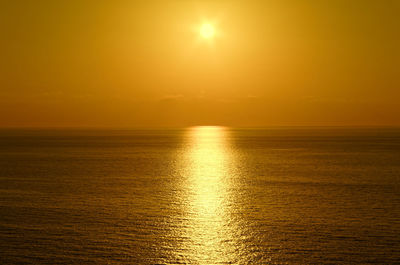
[200, 195]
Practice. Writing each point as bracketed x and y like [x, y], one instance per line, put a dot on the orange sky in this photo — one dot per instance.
[144, 63]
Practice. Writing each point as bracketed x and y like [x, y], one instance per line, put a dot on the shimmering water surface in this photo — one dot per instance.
[201, 195]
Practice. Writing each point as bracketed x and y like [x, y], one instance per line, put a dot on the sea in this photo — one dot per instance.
[200, 195]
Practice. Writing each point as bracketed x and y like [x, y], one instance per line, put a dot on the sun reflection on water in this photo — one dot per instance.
[210, 230]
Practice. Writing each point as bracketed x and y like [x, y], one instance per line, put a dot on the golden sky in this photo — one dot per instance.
[145, 63]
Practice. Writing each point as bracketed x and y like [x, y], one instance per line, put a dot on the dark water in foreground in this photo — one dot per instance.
[203, 195]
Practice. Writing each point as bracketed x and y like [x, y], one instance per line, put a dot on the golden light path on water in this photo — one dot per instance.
[210, 230]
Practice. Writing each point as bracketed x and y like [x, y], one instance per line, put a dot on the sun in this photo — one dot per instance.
[207, 31]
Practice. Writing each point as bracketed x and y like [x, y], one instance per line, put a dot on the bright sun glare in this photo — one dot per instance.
[207, 31]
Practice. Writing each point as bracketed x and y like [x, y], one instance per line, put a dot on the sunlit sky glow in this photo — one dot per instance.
[184, 63]
[207, 30]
